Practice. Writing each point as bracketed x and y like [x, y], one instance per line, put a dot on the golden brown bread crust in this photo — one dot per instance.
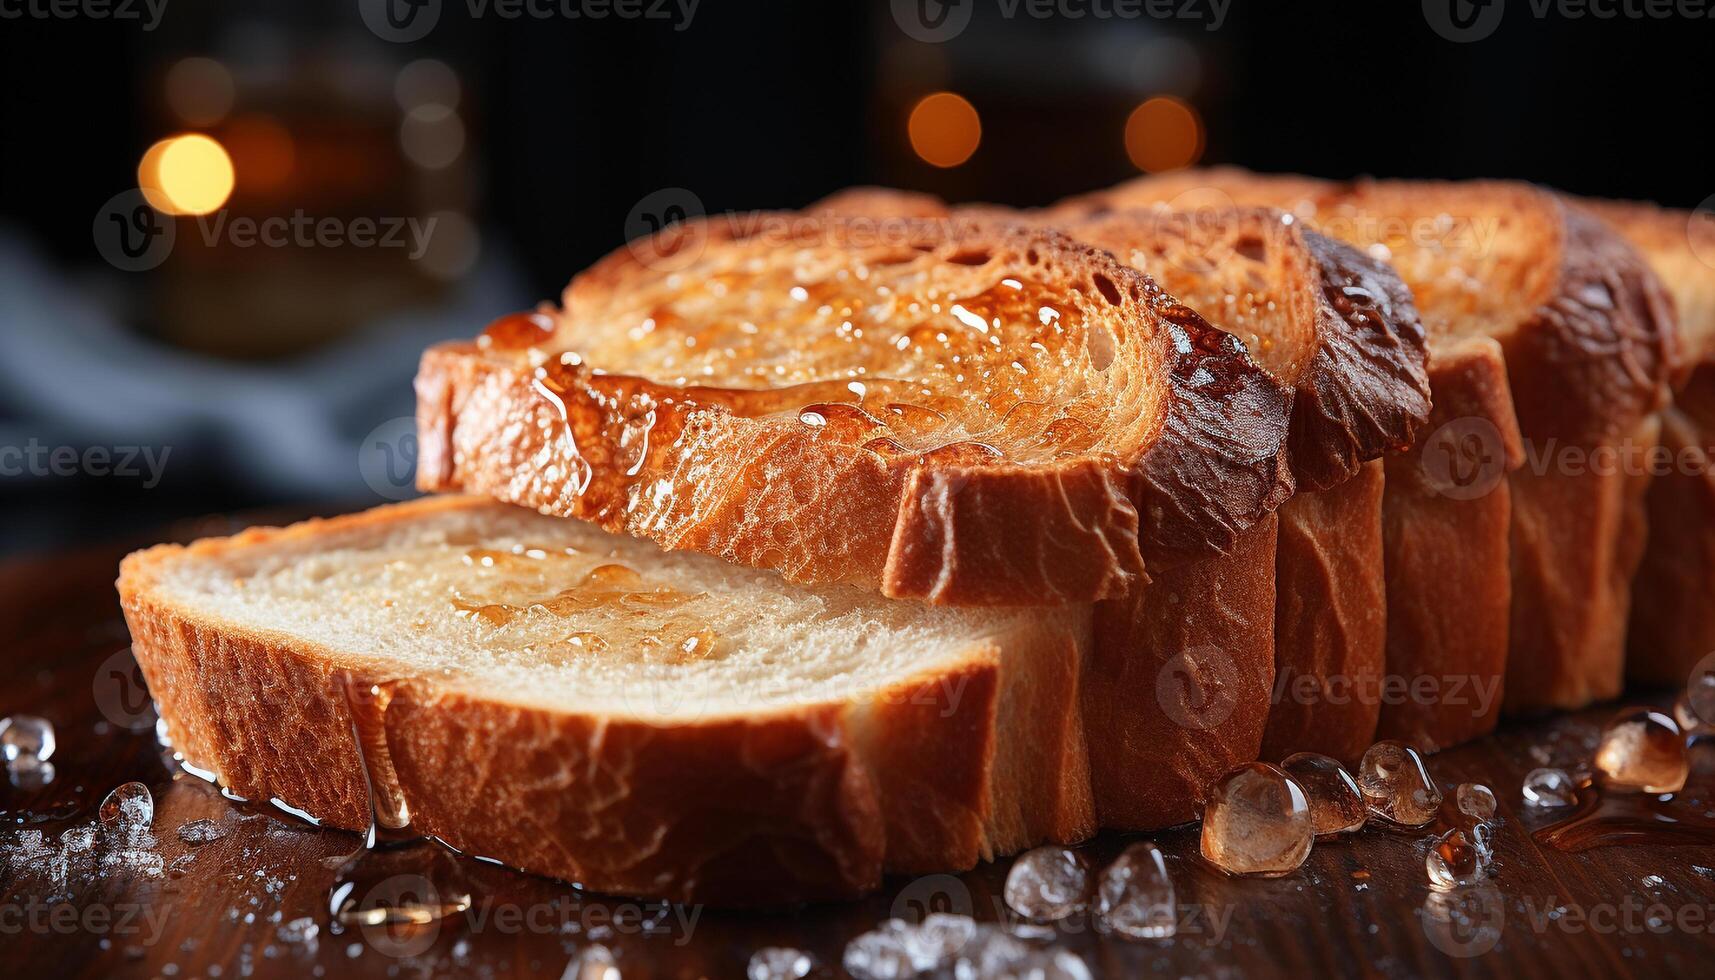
[1577, 540]
[1446, 520]
[1207, 460]
[1346, 335]
[1594, 359]
[1176, 689]
[1673, 595]
[798, 803]
[1589, 343]
[1330, 621]
[1342, 330]
[1670, 239]
[1672, 624]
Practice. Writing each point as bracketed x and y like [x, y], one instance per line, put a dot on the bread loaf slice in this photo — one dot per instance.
[960, 411]
[1181, 676]
[584, 705]
[1673, 601]
[1587, 343]
[1298, 616]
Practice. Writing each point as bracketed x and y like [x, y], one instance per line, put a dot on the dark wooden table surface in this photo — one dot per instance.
[226, 908]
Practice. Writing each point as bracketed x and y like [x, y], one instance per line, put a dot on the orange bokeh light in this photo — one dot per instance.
[1163, 134]
[189, 174]
[944, 129]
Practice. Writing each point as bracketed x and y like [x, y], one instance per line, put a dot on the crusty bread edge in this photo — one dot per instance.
[797, 802]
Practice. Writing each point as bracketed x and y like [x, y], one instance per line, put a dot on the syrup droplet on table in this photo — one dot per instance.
[779, 963]
[129, 808]
[1135, 896]
[1643, 751]
[1396, 785]
[938, 940]
[26, 742]
[26, 739]
[398, 877]
[1694, 709]
[1257, 821]
[1047, 883]
[1691, 718]
[1454, 861]
[199, 832]
[1610, 819]
[1474, 802]
[1548, 788]
[1336, 804]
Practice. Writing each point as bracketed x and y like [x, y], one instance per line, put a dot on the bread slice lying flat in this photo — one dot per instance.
[1562, 340]
[1673, 600]
[960, 411]
[587, 706]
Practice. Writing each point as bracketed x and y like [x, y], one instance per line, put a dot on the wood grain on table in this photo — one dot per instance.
[236, 906]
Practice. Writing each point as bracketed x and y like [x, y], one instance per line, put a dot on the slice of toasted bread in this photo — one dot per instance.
[584, 705]
[1208, 637]
[1673, 603]
[1588, 342]
[959, 411]
[1305, 627]
[1680, 246]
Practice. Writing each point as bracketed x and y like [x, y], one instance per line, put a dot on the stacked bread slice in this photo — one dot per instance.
[889, 536]
[1551, 346]
[1672, 629]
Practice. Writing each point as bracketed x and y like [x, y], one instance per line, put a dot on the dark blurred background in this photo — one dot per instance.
[433, 163]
